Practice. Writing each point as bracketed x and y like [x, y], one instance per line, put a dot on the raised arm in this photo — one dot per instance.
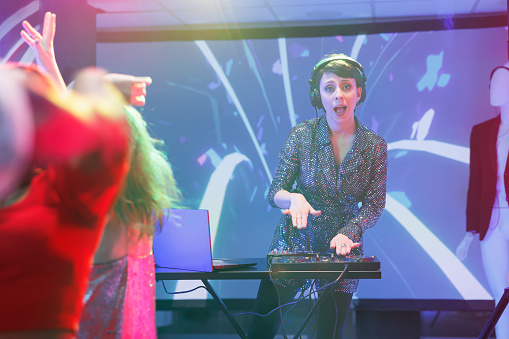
[133, 88]
[42, 45]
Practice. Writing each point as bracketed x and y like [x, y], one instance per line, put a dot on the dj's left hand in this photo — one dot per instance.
[343, 244]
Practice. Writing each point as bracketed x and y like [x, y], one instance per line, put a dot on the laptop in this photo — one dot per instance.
[183, 243]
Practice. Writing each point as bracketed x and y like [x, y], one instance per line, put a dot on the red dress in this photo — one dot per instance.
[48, 239]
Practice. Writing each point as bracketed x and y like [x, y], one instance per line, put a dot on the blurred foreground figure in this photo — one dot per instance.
[120, 300]
[52, 222]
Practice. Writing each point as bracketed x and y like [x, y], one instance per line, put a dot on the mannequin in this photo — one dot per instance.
[487, 206]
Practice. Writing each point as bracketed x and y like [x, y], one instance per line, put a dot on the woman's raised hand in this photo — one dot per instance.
[42, 45]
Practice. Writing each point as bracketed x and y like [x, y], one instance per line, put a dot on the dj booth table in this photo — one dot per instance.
[260, 271]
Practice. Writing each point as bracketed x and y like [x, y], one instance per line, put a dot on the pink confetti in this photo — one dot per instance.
[201, 160]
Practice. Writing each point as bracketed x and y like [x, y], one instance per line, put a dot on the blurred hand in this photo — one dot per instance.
[299, 210]
[133, 88]
[343, 244]
[42, 45]
[462, 250]
[91, 84]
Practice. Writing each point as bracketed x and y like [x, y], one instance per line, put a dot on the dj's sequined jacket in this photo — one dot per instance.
[351, 197]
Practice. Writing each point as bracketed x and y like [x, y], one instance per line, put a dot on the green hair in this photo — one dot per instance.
[149, 188]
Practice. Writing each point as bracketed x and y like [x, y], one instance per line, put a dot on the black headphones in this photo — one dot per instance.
[314, 92]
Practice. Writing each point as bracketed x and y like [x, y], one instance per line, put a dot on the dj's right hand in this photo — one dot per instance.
[299, 210]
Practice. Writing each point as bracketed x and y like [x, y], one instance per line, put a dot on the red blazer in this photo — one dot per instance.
[483, 175]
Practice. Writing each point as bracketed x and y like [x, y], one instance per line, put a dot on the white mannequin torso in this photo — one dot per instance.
[502, 152]
[495, 245]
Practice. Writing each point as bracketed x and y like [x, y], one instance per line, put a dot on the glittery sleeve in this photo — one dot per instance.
[374, 200]
[288, 167]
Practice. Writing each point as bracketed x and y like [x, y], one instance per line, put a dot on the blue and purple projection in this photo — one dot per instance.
[224, 109]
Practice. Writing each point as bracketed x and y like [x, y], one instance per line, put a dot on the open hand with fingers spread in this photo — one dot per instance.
[43, 48]
[343, 244]
[299, 210]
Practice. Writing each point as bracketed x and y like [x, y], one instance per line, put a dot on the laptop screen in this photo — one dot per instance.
[183, 241]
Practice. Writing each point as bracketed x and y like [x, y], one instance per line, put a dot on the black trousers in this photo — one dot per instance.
[269, 298]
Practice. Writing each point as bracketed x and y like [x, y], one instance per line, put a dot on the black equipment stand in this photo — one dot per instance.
[260, 271]
[495, 315]
[317, 305]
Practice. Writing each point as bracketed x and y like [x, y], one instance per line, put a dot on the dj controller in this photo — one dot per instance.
[308, 261]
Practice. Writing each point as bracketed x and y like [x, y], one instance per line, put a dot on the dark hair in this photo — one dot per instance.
[341, 65]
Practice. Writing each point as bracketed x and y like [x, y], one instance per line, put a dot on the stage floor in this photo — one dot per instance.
[202, 323]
